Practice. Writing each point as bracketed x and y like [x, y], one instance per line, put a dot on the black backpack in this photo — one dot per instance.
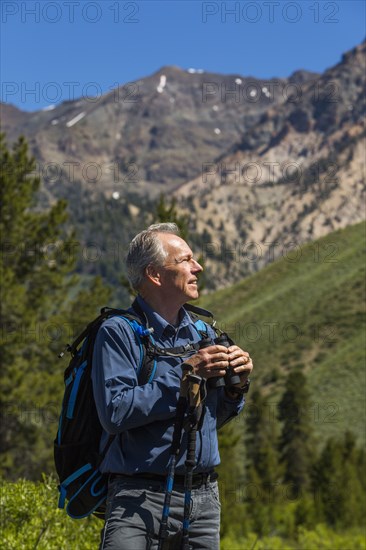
[77, 445]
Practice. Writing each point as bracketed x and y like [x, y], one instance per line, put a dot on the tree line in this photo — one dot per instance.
[288, 479]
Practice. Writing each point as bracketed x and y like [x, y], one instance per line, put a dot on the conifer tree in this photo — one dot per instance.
[165, 212]
[263, 469]
[338, 489]
[261, 438]
[296, 440]
[35, 266]
[231, 481]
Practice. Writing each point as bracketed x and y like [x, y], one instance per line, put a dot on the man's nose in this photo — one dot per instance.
[196, 265]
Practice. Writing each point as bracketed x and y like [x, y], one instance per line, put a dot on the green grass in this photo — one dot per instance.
[307, 309]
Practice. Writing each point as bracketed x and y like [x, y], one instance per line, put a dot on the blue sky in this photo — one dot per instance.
[59, 50]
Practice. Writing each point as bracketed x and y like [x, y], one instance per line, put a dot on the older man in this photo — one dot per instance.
[162, 269]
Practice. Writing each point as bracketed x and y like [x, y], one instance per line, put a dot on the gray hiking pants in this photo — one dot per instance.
[134, 510]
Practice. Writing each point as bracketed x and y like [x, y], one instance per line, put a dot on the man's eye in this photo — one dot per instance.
[188, 259]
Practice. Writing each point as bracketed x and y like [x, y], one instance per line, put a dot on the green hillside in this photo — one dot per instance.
[307, 309]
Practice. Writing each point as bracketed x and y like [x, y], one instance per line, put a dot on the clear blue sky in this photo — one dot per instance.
[57, 50]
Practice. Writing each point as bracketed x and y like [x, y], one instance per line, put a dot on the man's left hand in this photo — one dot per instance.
[240, 361]
[242, 364]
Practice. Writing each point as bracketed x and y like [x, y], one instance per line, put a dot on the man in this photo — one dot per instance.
[161, 267]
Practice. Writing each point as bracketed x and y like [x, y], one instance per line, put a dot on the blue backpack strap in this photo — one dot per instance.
[148, 348]
[147, 366]
[136, 330]
[200, 326]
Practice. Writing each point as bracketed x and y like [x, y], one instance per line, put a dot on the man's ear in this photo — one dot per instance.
[153, 274]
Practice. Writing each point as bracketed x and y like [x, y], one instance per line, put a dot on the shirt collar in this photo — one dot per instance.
[158, 323]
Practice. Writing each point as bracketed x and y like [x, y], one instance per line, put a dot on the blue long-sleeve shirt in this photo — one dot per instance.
[142, 417]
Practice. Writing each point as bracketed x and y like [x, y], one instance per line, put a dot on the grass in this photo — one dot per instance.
[307, 309]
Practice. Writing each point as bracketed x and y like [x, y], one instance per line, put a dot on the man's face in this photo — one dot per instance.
[178, 276]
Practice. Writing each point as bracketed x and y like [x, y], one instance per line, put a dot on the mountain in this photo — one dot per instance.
[259, 166]
[307, 313]
[297, 174]
[155, 131]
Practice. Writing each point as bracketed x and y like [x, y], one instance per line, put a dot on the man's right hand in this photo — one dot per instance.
[210, 362]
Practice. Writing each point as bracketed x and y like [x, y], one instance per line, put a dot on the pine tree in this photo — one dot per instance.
[86, 306]
[231, 480]
[296, 448]
[169, 213]
[261, 438]
[35, 267]
[338, 489]
[263, 469]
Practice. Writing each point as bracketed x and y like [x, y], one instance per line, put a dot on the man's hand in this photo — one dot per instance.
[210, 362]
[242, 365]
[215, 360]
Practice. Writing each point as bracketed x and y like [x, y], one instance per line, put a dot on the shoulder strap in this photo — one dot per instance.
[189, 307]
[104, 313]
[200, 326]
[199, 310]
[136, 324]
[147, 366]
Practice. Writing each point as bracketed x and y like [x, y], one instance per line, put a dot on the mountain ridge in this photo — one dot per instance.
[293, 178]
[257, 165]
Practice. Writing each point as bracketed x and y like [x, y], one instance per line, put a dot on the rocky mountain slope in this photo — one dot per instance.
[149, 135]
[259, 165]
[296, 175]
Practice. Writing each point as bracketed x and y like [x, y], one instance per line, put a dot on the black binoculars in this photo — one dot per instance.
[230, 378]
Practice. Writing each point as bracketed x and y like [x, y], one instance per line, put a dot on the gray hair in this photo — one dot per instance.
[145, 249]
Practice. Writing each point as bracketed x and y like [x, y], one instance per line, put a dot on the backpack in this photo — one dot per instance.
[77, 453]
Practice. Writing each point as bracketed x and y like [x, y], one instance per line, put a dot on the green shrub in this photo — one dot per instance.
[30, 519]
[324, 538]
[321, 538]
